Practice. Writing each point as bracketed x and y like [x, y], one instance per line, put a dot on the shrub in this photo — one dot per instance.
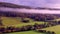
[25, 21]
[43, 31]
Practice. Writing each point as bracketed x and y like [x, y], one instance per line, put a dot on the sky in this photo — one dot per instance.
[36, 3]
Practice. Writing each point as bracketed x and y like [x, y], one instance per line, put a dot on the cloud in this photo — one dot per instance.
[53, 1]
[54, 6]
[30, 10]
[10, 1]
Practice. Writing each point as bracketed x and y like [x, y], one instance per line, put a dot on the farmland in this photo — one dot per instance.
[26, 32]
[16, 22]
[56, 29]
[11, 21]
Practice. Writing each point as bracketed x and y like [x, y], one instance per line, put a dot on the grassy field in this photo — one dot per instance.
[16, 21]
[56, 29]
[26, 32]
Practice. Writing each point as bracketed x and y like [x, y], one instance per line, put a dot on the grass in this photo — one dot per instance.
[56, 29]
[26, 32]
[16, 21]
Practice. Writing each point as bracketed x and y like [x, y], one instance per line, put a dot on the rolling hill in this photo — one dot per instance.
[11, 18]
[10, 5]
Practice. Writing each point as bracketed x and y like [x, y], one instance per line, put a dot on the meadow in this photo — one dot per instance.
[11, 21]
[56, 29]
[16, 22]
[26, 32]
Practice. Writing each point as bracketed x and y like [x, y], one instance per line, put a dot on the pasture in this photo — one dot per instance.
[56, 29]
[16, 21]
[26, 32]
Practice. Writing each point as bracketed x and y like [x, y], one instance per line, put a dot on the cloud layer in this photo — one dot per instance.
[30, 10]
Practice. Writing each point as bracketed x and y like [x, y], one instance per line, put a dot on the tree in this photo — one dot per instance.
[1, 21]
[25, 20]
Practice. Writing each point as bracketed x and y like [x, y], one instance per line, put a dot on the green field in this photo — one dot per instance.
[16, 21]
[56, 29]
[26, 32]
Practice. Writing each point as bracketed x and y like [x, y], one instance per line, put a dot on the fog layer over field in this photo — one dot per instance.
[30, 10]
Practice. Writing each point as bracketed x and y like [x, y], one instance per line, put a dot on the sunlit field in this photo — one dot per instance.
[56, 29]
[26, 32]
[16, 21]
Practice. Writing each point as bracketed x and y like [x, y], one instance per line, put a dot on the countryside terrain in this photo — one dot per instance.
[28, 23]
[17, 22]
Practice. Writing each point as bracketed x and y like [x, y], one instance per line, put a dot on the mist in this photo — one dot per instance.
[23, 10]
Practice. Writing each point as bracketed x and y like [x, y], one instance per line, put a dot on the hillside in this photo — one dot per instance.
[10, 5]
[54, 28]
[16, 21]
[25, 23]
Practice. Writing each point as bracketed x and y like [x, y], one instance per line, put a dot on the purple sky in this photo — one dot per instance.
[36, 3]
[27, 2]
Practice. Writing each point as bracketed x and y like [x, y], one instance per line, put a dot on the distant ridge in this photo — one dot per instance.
[10, 5]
